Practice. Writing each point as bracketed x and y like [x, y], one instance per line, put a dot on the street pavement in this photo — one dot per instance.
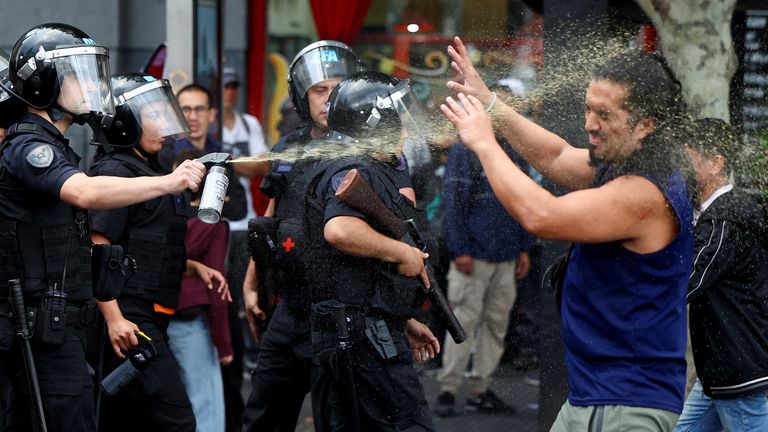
[509, 384]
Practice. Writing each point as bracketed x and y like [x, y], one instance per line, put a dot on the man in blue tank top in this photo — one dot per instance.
[630, 219]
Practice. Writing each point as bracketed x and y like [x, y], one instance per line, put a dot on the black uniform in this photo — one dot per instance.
[40, 232]
[283, 375]
[153, 233]
[375, 302]
[728, 296]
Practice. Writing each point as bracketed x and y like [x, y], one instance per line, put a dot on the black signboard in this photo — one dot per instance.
[753, 71]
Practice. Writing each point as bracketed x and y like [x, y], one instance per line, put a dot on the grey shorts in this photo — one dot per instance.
[613, 418]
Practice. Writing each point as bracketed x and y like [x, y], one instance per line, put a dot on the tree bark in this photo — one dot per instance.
[695, 37]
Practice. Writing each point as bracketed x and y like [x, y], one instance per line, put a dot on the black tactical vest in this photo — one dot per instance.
[40, 234]
[299, 232]
[157, 246]
[367, 284]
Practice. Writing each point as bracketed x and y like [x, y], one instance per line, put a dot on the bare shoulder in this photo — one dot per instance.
[644, 203]
[629, 209]
[638, 194]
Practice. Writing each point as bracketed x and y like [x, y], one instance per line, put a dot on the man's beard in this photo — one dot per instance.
[594, 159]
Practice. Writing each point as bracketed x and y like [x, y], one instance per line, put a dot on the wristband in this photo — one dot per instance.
[493, 102]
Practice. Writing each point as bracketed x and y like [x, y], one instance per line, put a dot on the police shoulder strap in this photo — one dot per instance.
[26, 129]
[134, 164]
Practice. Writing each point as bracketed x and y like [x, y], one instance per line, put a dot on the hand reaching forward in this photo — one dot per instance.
[471, 121]
[188, 175]
[466, 80]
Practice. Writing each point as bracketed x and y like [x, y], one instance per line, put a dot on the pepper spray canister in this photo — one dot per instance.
[215, 187]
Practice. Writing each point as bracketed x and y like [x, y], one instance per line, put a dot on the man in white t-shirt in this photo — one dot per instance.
[242, 135]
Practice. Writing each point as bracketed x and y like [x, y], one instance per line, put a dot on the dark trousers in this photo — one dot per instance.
[389, 394]
[156, 399]
[232, 374]
[65, 384]
[282, 377]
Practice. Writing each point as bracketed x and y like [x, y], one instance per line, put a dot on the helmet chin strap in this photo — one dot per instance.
[141, 151]
[56, 112]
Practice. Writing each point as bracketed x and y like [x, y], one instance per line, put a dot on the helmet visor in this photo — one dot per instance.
[155, 108]
[322, 63]
[83, 74]
[409, 110]
[5, 82]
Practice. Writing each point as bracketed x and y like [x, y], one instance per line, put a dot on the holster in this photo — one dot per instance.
[53, 315]
[111, 270]
[262, 234]
[350, 325]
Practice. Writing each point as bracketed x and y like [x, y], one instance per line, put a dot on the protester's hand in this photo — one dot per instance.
[471, 121]
[122, 335]
[523, 265]
[226, 359]
[464, 264]
[424, 344]
[253, 313]
[188, 175]
[411, 264]
[466, 79]
[212, 278]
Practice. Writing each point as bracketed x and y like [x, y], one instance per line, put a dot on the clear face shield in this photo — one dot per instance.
[84, 83]
[155, 108]
[322, 63]
[404, 102]
[4, 78]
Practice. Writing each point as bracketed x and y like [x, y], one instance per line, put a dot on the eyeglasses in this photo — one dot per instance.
[199, 110]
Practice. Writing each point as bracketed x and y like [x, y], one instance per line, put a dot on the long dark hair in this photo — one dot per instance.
[653, 92]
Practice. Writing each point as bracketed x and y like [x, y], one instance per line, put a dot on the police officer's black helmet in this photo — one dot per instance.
[143, 99]
[372, 104]
[318, 62]
[49, 53]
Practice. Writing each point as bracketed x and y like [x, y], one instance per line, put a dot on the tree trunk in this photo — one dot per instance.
[695, 36]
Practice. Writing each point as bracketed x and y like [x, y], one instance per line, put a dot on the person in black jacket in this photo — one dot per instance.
[727, 293]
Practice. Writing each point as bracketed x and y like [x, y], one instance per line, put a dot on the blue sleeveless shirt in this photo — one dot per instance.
[624, 317]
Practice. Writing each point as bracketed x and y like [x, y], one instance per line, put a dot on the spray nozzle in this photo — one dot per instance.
[214, 159]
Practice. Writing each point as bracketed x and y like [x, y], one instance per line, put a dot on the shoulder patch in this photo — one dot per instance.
[40, 156]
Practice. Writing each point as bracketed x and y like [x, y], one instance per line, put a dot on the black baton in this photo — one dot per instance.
[23, 333]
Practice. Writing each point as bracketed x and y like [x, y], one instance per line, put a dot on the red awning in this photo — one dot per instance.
[339, 20]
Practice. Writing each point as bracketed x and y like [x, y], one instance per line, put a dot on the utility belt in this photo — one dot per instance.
[333, 323]
[48, 319]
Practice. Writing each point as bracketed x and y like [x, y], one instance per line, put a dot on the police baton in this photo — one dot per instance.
[24, 334]
[355, 192]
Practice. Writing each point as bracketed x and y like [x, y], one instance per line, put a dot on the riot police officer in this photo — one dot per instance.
[281, 379]
[61, 76]
[152, 233]
[365, 284]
